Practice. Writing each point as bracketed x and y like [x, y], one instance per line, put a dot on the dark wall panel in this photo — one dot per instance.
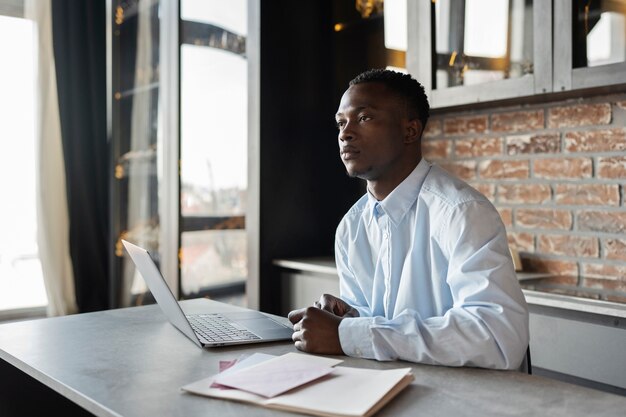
[304, 188]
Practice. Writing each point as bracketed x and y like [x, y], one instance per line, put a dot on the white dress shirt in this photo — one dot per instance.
[429, 270]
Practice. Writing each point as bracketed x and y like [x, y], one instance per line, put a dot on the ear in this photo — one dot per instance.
[413, 129]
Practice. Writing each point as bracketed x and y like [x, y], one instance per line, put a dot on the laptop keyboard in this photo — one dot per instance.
[216, 328]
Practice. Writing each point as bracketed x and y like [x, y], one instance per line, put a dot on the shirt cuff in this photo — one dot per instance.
[355, 337]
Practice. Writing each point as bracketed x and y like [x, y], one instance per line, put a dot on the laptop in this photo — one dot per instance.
[210, 329]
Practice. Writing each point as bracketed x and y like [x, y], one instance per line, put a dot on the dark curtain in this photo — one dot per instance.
[79, 41]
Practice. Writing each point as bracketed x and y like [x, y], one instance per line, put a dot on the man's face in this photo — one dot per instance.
[372, 128]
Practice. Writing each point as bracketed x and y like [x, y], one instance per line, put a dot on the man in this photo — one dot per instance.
[424, 266]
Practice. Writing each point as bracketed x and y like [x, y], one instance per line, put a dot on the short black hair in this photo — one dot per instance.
[402, 84]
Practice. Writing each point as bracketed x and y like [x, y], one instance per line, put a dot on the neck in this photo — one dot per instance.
[382, 187]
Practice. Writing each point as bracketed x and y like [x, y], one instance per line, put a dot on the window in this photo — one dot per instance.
[214, 141]
[21, 279]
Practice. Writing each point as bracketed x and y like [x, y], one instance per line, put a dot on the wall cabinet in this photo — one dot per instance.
[466, 51]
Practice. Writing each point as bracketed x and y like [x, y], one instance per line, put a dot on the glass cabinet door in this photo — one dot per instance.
[468, 51]
[590, 49]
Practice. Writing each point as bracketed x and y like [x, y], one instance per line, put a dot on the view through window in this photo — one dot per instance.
[214, 126]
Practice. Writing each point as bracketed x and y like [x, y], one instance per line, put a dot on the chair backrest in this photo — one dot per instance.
[526, 366]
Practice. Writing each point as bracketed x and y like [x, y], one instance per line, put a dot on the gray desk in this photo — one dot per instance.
[131, 362]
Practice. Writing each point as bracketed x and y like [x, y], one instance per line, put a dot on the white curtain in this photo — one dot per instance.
[52, 212]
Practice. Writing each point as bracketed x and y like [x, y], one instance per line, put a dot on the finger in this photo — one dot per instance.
[297, 335]
[298, 326]
[299, 345]
[317, 304]
[296, 315]
[326, 303]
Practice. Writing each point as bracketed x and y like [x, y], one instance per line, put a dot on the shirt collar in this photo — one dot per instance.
[401, 199]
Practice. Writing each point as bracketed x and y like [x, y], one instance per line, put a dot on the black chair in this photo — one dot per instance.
[526, 365]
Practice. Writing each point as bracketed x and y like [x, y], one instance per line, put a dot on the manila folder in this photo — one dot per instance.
[346, 392]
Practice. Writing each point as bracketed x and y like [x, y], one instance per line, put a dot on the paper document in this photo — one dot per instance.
[345, 392]
[244, 361]
[272, 377]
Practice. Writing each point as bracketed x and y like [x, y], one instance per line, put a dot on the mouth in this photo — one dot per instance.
[349, 152]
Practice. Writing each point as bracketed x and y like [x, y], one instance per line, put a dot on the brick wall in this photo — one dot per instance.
[557, 174]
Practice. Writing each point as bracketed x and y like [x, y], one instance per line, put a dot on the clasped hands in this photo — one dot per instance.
[316, 328]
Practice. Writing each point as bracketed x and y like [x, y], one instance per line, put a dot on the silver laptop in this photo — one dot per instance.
[211, 329]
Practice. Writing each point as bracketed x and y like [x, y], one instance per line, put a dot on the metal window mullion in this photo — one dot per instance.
[419, 43]
[562, 49]
[253, 205]
[603, 75]
[169, 144]
[542, 46]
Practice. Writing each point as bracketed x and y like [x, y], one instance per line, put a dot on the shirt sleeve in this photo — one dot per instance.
[487, 326]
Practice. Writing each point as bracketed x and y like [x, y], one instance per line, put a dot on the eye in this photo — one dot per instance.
[340, 124]
[364, 118]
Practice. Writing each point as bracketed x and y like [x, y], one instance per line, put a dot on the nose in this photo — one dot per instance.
[346, 133]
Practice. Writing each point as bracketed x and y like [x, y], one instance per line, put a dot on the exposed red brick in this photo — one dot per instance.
[580, 115]
[543, 219]
[605, 140]
[611, 272]
[562, 168]
[496, 169]
[587, 194]
[488, 190]
[524, 193]
[566, 272]
[612, 167]
[583, 246]
[615, 249]
[436, 149]
[465, 125]
[434, 127]
[602, 221]
[522, 242]
[507, 216]
[538, 143]
[464, 148]
[517, 121]
[466, 170]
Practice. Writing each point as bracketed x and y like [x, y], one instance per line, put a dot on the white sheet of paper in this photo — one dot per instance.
[273, 377]
[203, 386]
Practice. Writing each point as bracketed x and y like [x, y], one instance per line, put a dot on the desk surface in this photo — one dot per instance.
[132, 362]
